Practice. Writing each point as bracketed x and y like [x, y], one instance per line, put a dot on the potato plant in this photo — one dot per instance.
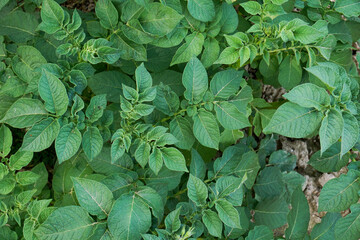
[146, 119]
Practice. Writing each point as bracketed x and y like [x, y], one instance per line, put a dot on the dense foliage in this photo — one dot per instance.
[146, 119]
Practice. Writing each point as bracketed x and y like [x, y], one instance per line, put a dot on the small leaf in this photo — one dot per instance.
[227, 213]
[197, 190]
[142, 153]
[197, 165]
[339, 193]
[326, 229]
[226, 83]
[93, 196]
[107, 13]
[202, 10]
[156, 160]
[292, 120]
[331, 129]
[180, 127]
[92, 142]
[75, 224]
[206, 129]
[230, 117]
[309, 95]
[191, 48]
[172, 221]
[195, 80]
[252, 7]
[5, 140]
[244, 55]
[290, 73]
[129, 218]
[350, 133]
[68, 142]
[228, 56]
[25, 112]
[173, 159]
[20, 159]
[143, 78]
[212, 223]
[298, 217]
[41, 135]
[260, 232]
[348, 227]
[96, 107]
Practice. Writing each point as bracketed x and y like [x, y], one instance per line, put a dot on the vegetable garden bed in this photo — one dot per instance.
[179, 119]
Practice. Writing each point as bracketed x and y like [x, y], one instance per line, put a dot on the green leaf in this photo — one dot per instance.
[52, 16]
[152, 199]
[330, 160]
[96, 107]
[226, 83]
[142, 153]
[92, 142]
[172, 221]
[290, 73]
[5, 140]
[350, 8]
[191, 48]
[197, 165]
[350, 133]
[93, 196]
[53, 92]
[227, 213]
[19, 26]
[348, 227]
[143, 109]
[25, 112]
[197, 190]
[6, 233]
[202, 10]
[195, 80]
[67, 142]
[271, 213]
[20, 159]
[212, 223]
[339, 193]
[260, 232]
[331, 129]
[143, 78]
[206, 129]
[252, 7]
[269, 184]
[228, 56]
[228, 185]
[129, 218]
[75, 224]
[158, 19]
[26, 178]
[29, 60]
[7, 184]
[308, 34]
[211, 52]
[180, 127]
[244, 54]
[326, 229]
[173, 159]
[292, 120]
[309, 95]
[283, 160]
[110, 83]
[41, 135]
[230, 117]
[156, 160]
[298, 217]
[117, 150]
[107, 13]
